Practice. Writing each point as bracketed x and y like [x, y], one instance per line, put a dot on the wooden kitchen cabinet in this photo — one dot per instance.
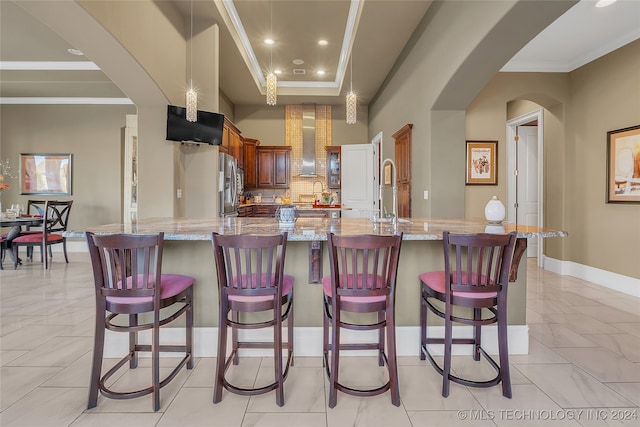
[245, 211]
[250, 162]
[333, 166]
[232, 142]
[273, 166]
[264, 211]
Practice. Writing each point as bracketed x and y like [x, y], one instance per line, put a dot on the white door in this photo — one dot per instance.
[359, 180]
[528, 196]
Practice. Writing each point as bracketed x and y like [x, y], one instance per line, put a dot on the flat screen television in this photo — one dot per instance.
[206, 130]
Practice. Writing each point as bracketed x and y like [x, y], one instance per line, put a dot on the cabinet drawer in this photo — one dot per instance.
[264, 211]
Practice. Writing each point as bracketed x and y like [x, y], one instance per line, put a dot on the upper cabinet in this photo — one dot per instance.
[250, 162]
[273, 167]
[333, 166]
[232, 142]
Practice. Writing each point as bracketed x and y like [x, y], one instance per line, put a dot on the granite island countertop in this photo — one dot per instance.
[311, 229]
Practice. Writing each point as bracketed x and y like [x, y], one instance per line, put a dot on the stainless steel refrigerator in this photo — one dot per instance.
[229, 185]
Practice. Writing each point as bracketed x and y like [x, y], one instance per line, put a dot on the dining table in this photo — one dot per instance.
[16, 225]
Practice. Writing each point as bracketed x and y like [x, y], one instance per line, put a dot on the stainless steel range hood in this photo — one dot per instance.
[308, 141]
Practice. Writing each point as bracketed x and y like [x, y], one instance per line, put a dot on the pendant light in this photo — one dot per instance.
[192, 95]
[352, 101]
[272, 80]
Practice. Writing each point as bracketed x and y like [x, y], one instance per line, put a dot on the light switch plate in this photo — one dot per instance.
[426, 194]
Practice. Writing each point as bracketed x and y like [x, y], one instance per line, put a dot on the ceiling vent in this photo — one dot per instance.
[299, 71]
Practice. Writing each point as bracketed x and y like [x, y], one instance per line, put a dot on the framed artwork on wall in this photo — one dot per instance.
[45, 174]
[387, 174]
[623, 165]
[482, 163]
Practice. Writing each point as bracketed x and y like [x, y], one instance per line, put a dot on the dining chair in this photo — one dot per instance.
[128, 278]
[5, 244]
[34, 208]
[251, 279]
[472, 290]
[362, 282]
[55, 222]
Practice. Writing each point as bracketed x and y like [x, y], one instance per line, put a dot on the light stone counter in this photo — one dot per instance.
[311, 229]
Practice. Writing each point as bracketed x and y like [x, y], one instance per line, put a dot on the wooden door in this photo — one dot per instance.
[359, 177]
[403, 173]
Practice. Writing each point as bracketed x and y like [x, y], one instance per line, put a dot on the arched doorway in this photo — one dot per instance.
[525, 167]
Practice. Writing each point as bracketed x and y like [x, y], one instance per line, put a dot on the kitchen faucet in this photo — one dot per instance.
[394, 218]
[314, 187]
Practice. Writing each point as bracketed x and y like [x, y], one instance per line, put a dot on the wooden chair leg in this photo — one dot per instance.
[155, 365]
[277, 361]
[325, 338]
[335, 360]
[290, 333]
[222, 355]
[503, 350]
[477, 334]
[446, 371]
[96, 366]
[381, 345]
[133, 342]
[423, 328]
[234, 338]
[189, 328]
[391, 357]
[64, 248]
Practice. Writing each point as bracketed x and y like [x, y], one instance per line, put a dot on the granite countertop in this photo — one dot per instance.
[300, 206]
[310, 229]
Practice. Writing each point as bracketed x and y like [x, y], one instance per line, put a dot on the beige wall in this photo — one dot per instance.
[92, 134]
[266, 123]
[455, 50]
[605, 96]
[579, 108]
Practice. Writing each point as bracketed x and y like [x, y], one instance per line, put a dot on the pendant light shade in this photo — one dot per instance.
[352, 101]
[192, 95]
[272, 89]
[192, 105]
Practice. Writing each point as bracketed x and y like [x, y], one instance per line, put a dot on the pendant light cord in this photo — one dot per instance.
[351, 70]
[191, 50]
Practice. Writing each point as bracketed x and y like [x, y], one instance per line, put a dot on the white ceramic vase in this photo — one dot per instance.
[494, 211]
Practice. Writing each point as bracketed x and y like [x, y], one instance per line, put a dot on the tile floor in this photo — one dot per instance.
[583, 368]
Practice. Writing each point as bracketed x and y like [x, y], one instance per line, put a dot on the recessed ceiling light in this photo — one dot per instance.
[605, 3]
[323, 42]
[269, 41]
[320, 72]
[277, 72]
[298, 61]
[75, 52]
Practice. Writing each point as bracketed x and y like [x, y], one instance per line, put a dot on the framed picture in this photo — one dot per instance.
[623, 165]
[45, 174]
[387, 174]
[482, 163]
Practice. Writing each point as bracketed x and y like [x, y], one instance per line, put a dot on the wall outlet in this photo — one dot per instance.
[426, 194]
[179, 193]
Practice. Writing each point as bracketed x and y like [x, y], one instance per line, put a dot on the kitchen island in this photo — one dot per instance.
[188, 251]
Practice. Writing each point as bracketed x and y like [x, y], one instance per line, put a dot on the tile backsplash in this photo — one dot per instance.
[293, 137]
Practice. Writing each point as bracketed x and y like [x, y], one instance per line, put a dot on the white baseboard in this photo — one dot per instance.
[308, 341]
[607, 279]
